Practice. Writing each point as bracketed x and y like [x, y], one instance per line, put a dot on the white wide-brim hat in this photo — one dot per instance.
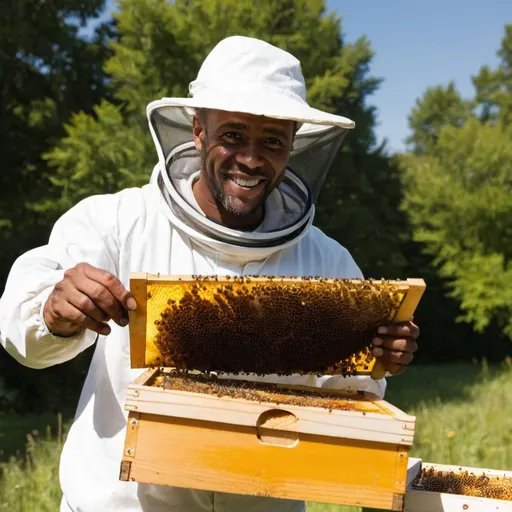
[246, 75]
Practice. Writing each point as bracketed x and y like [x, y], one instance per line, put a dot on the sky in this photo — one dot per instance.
[419, 44]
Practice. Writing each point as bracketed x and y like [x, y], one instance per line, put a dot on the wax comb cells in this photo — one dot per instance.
[465, 483]
[273, 325]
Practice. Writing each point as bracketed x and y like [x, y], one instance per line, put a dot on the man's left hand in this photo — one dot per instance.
[395, 345]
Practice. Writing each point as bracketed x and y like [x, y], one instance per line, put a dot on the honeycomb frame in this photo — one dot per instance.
[464, 482]
[147, 290]
[434, 487]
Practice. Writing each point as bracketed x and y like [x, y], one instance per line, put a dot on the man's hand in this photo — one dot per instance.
[395, 346]
[88, 298]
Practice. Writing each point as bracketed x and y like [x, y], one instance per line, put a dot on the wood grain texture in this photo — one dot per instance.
[138, 320]
[130, 446]
[374, 420]
[230, 458]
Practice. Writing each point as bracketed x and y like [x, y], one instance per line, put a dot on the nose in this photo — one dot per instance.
[250, 155]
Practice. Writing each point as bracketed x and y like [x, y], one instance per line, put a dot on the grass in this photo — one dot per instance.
[463, 416]
[31, 483]
[15, 427]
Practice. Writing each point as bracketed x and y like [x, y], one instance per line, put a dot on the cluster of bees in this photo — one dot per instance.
[258, 391]
[464, 483]
[272, 325]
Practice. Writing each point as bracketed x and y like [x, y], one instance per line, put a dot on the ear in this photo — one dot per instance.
[198, 133]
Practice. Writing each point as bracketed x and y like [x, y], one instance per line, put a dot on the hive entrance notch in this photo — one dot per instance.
[264, 325]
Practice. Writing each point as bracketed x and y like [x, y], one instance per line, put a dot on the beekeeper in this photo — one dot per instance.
[241, 162]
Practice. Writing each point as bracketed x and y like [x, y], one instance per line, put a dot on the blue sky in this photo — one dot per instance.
[419, 44]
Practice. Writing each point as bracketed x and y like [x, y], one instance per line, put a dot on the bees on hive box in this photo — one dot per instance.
[464, 483]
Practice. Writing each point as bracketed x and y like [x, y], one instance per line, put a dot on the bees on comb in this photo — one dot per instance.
[258, 391]
[464, 483]
[274, 325]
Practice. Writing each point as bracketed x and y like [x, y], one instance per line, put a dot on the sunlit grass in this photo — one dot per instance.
[31, 483]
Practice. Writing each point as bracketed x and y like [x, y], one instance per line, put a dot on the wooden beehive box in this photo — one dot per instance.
[485, 490]
[318, 445]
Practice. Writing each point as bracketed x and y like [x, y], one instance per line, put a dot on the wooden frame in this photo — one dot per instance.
[223, 444]
[140, 283]
[425, 501]
[383, 422]
[356, 456]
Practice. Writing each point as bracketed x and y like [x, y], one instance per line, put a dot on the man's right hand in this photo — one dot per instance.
[88, 298]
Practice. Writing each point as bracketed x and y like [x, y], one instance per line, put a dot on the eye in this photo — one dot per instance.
[232, 137]
[272, 141]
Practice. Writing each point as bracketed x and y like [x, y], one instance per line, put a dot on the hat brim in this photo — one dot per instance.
[180, 110]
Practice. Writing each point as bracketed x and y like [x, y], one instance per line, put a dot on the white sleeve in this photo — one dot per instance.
[83, 234]
[346, 267]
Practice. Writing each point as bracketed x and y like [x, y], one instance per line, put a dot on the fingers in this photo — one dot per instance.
[67, 317]
[396, 369]
[394, 362]
[396, 344]
[96, 301]
[105, 291]
[111, 283]
[401, 330]
[393, 356]
[87, 297]
[83, 303]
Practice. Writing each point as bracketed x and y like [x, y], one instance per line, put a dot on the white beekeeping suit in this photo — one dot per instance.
[160, 228]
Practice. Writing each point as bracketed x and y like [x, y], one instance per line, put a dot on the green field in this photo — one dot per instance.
[464, 417]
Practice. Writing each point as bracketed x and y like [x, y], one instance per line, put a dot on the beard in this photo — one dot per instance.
[231, 204]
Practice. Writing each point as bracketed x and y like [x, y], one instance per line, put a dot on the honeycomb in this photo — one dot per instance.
[265, 392]
[464, 483]
[270, 325]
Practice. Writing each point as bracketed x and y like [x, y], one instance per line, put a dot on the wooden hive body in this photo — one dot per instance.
[354, 453]
[418, 500]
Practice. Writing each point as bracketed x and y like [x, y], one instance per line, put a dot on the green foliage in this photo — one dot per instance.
[457, 191]
[51, 390]
[440, 106]
[494, 87]
[101, 153]
[359, 206]
[47, 73]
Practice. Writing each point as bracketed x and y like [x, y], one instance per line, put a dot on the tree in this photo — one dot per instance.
[46, 72]
[458, 191]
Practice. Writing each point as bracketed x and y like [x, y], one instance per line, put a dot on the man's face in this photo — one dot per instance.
[243, 158]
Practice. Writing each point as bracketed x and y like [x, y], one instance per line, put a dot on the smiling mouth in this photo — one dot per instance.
[247, 184]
